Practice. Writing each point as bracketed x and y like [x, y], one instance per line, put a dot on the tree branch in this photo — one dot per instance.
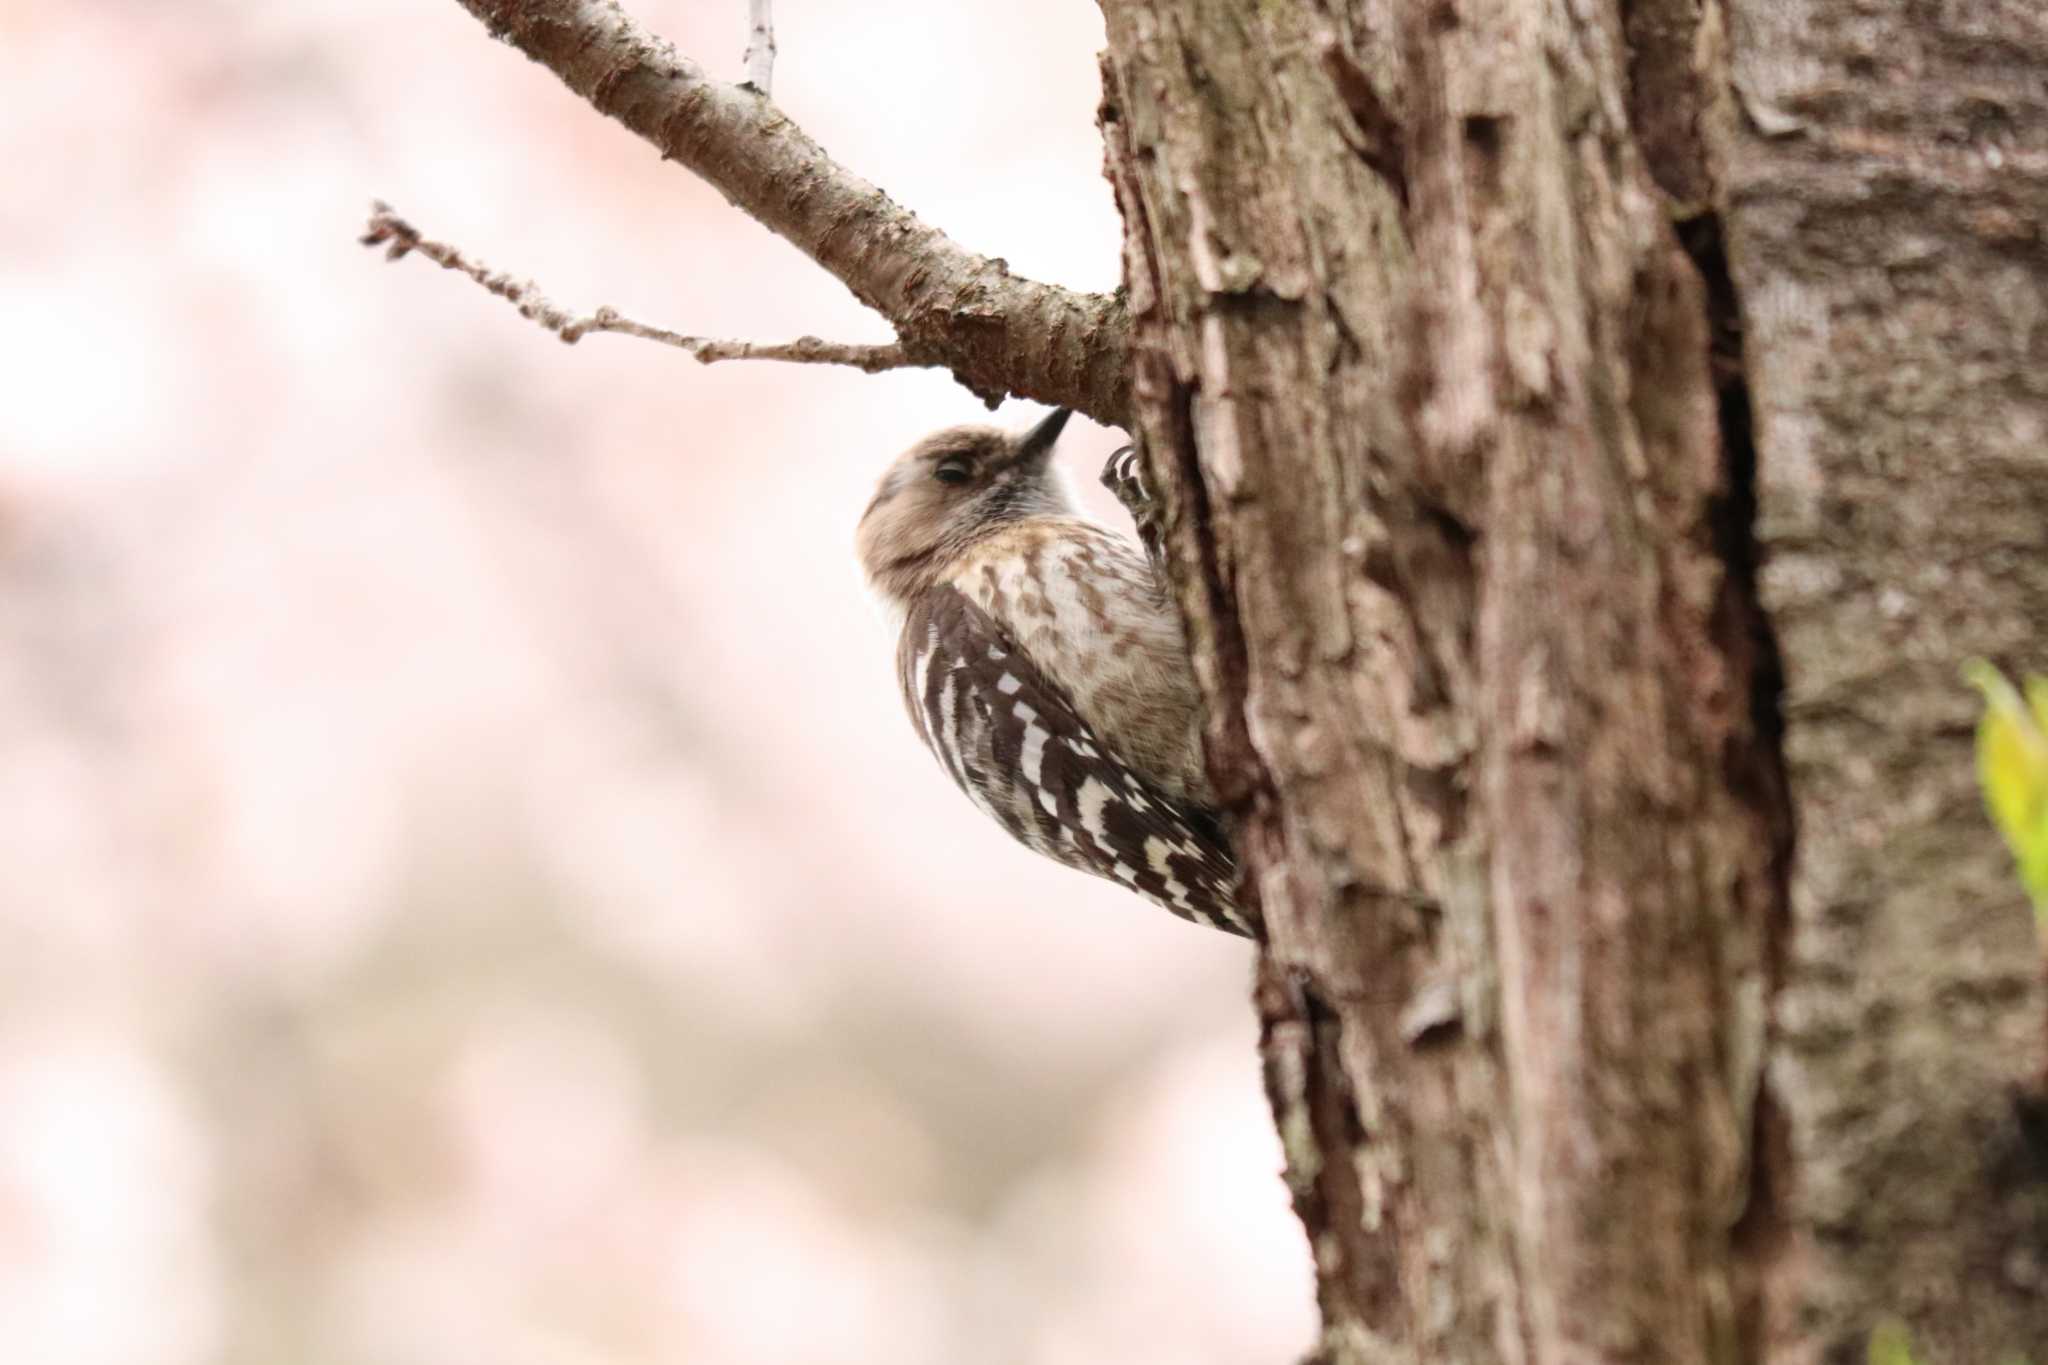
[400, 239]
[760, 57]
[996, 332]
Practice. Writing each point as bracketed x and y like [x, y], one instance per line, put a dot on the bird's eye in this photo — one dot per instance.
[953, 471]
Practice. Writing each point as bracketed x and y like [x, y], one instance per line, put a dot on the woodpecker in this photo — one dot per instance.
[1043, 664]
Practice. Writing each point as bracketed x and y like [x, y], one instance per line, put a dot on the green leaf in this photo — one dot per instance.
[1890, 1344]
[2012, 766]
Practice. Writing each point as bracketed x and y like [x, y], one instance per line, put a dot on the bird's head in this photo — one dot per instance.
[950, 489]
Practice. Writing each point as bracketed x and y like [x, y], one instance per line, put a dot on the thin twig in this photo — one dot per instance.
[400, 238]
[760, 44]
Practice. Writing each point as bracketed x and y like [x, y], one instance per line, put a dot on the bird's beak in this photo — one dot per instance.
[1038, 442]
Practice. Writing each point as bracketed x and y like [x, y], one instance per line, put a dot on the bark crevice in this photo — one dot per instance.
[1753, 762]
[1882, 236]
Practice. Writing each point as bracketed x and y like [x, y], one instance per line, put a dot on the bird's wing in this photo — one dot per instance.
[1088, 609]
[1013, 741]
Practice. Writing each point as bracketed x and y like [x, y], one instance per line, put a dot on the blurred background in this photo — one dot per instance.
[467, 890]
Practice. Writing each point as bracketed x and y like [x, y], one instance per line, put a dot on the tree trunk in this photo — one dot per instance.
[1523, 378]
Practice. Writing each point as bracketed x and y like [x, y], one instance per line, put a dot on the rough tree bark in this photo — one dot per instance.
[1418, 342]
[1883, 176]
[1497, 497]
[1592, 432]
